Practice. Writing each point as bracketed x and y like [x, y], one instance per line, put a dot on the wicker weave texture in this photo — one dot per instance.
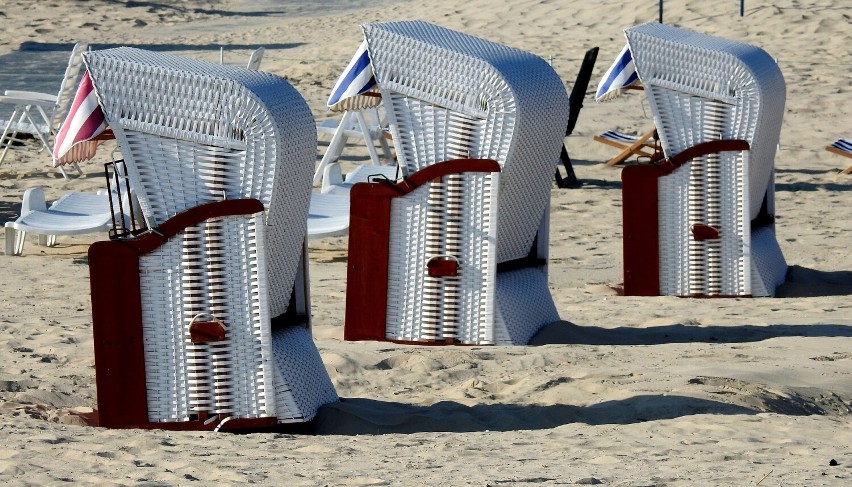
[193, 132]
[450, 95]
[450, 218]
[453, 96]
[702, 88]
[302, 384]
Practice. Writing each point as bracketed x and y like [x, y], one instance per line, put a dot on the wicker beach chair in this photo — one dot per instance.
[202, 323]
[700, 223]
[457, 251]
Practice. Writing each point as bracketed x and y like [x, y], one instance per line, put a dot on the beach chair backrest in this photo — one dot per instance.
[192, 132]
[703, 87]
[450, 95]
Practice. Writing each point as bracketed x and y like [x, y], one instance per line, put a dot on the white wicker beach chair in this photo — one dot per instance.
[456, 252]
[202, 322]
[701, 222]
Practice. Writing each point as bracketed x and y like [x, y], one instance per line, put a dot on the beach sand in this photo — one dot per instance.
[623, 391]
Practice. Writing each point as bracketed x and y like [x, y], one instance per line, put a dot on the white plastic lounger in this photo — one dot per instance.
[328, 215]
[456, 252]
[72, 214]
[701, 222]
[41, 114]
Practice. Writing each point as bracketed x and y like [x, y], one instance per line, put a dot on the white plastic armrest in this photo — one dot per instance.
[33, 95]
[19, 100]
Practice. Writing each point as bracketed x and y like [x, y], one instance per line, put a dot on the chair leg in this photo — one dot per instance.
[368, 138]
[14, 241]
[570, 180]
[335, 146]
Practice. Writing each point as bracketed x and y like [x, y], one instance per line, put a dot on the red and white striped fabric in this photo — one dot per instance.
[84, 122]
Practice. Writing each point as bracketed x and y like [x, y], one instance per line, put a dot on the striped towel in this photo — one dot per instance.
[84, 122]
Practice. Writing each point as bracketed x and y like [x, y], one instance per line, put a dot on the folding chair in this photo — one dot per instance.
[203, 322]
[39, 114]
[575, 103]
[457, 251]
[700, 222]
[842, 147]
[644, 145]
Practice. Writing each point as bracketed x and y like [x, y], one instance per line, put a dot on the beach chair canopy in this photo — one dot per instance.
[41, 114]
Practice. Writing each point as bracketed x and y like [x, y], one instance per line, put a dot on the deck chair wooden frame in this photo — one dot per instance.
[842, 147]
[643, 145]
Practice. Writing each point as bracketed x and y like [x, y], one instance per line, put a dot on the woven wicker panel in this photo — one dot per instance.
[740, 75]
[452, 95]
[451, 217]
[192, 132]
[702, 88]
[230, 377]
[302, 384]
[524, 306]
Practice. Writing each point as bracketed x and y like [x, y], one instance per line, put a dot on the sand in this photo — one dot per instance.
[624, 391]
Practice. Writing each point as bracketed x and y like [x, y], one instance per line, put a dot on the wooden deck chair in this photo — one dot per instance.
[457, 251]
[203, 322]
[644, 145]
[700, 222]
[575, 103]
[39, 114]
[842, 147]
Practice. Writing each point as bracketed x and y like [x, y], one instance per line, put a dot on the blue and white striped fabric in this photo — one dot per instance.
[357, 78]
[844, 145]
[620, 75]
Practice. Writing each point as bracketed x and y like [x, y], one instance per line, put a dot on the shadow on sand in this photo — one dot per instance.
[354, 416]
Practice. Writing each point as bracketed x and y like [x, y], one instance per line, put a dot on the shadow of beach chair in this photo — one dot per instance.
[701, 222]
[842, 147]
[575, 103]
[203, 322]
[40, 114]
[457, 251]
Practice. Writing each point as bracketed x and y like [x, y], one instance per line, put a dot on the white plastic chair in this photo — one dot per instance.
[72, 214]
[361, 120]
[456, 252]
[328, 215]
[40, 114]
[203, 322]
[255, 58]
[700, 223]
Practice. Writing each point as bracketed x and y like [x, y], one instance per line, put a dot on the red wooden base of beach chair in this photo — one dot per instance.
[369, 239]
[117, 325]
